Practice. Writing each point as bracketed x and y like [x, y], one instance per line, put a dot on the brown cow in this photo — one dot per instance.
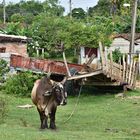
[47, 95]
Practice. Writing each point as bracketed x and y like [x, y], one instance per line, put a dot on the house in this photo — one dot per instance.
[122, 42]
[12, 44]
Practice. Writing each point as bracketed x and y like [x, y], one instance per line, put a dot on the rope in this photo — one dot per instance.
[77, 102]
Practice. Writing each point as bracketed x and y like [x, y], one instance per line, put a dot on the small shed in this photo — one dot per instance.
[122, 42]
[12, 44]
[86, 53]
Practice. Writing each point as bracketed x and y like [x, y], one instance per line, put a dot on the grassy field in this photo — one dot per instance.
[97, 117]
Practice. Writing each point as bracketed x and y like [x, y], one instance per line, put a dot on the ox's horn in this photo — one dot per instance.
[64, 80]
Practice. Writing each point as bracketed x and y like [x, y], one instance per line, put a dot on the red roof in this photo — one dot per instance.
[126, 36]
[13, 38]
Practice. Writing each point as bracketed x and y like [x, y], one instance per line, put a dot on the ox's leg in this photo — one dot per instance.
[52, 118]
[43, 119]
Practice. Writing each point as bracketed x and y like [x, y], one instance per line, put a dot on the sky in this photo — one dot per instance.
[65, 3]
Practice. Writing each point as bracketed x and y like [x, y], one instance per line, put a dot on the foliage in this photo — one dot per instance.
[14, 29]
[116, 54]
[78, 13]
[3, 109]
[48, 33]
[17, 18]
[20, 84]
[45, 24]
[32, 7]
[109, 7]
[101, 9]
[3, 70]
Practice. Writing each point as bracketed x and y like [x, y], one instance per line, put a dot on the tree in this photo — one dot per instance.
[17, 18]
[78, 13]
[101, 9]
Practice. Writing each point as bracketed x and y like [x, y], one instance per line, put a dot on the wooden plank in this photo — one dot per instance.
[91, 59]
[85, 75]
[103, 83]
[116, 65]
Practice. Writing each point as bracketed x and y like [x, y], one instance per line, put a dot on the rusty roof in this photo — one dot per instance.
[13, 38]
[126, 36]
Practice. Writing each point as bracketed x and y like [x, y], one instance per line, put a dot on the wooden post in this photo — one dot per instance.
[130, 72]
[4, 12]
[37, 52]
[120, 70]
[111, 64]
[127, 70]
[133, 28]
[66, 65]
[106, 60]
[102, 55]
[43, 52]
[133, 73]
[139, 63]
[124, 68]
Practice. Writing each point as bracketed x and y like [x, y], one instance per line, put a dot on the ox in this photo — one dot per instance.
[47, 95]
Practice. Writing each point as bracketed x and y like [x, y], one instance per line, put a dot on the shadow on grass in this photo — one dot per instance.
[90, 90]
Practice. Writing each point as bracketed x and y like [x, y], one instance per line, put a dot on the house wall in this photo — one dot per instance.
[123, 45]
[120, 43]
[5, 56]
[137, 47]
[15, 48]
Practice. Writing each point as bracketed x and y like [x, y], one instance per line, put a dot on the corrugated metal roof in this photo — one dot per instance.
[126, 36]
[13, 38]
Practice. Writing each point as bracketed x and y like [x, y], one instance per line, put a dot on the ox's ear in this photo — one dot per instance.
[64, 80]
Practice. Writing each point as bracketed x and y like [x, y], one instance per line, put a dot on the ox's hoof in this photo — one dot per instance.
[43, 127]
[53, 126]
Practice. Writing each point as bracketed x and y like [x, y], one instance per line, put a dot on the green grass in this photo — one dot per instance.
[97, 117]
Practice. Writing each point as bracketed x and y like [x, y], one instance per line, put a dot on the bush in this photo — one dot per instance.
[117, 55]
[75, 60]
[3, 70]
[20, 84]
[3, 109]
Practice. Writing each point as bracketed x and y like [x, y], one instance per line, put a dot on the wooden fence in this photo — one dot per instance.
[124, 72]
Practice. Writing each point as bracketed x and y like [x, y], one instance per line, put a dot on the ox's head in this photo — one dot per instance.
[60, 92]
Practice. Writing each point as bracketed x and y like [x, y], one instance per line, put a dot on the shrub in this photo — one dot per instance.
[20, 84]
[75, 60]
[3, 70]
[116, 55]
[3, 109]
